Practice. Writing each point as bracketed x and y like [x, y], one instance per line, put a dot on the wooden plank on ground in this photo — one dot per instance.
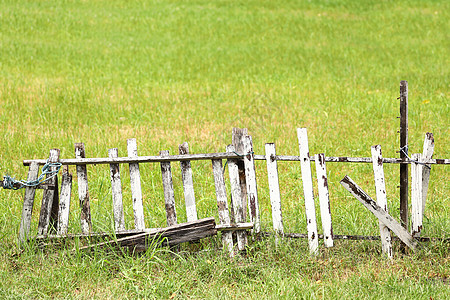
[28, 202]
[169, 195]
[252, 189]
[236, 200]
[428, 149]
[188, 184]
[305, 165]
[324, 199]
[64, 201]
[379, 212]
[274, 188]
[222, 204]
[116, 192]
[83, 191]
[380, 187]
[169, 236]
[136, 190]
[416, 196]
[47, 218]
[237, 141]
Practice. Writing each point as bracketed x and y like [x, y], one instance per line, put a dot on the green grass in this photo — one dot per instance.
[165, 72]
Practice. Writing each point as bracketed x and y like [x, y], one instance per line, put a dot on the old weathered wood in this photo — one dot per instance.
[83, 190]
[380, 188]
[48, 218]
[222, 204]
[169, 195]
[324, 199]
[225, 155]
[379, 212]
[239, 227]
[274, 188]
[237, 141]
[416, 196]
[136, 190]
[236, 200]
[252, 189]
[64, 201]
[169, 236]
[305, 165]
[28, 202]
[116, 192]
[428, 149]
[188, 184]
[404, 146]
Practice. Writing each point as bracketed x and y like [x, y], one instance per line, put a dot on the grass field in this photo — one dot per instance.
[166, 72]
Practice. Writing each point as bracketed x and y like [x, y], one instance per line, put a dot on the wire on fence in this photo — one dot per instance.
[12, 184]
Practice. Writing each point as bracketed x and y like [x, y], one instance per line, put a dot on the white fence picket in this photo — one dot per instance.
[136, 190]
[274, 188]
[83, 190]
[252, 190]
[324, 199]
[169, 194]
[188, 184]
[116, 191]
[64, 202]
[428, 149]
[28, 203]
[416, 196]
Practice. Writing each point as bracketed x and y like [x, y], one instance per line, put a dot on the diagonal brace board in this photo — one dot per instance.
[380, 213]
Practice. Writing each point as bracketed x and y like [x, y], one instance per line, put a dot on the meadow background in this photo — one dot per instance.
[166, 72]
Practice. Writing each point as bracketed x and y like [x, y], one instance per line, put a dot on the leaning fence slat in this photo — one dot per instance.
[238, 208]
[135, 182]
[274, 188]
[222, 204]
[379, 212]
[188, 184]
[416, 196]
[64, 202]
[428, 149]
[324, 199]
[252, 189]
[48, 217]
[116, 191]
[169, 195]
[305, 165]
[238, 135]
[83, 191]
[380, 187]
[28, 202]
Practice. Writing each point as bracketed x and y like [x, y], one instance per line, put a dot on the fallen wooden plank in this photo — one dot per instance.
[169, 236]
[380, 213]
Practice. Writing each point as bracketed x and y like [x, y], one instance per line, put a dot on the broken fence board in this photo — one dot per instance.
[380, 188]
[416, 196]
[222, 204]
[28, 202]
[188, 184]
[83, 191]
[380, 213]
[136, 190]
[48, 217]
[274, 188]
[236, 200]
[305, 165]
[428, 149]
[252, 189]
[237, 141]
[169, 195]
[116, 192]
[64, 201]
[324, 199]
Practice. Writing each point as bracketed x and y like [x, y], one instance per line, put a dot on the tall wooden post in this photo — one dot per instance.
[403, 151]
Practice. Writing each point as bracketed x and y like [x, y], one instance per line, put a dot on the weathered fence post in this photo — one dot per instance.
[48, 218]
[325, 211]
[136, 190]
[83, 191]
[403, 152]
[169, 195]
[380, 187]
[28, 203]
[238, 208]
[428, 149]
[64, 201]
[274, 188]
[188, 184]
[416, 196]
[116, 191]
[237, 141]
[310, 210]
[252, 190]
